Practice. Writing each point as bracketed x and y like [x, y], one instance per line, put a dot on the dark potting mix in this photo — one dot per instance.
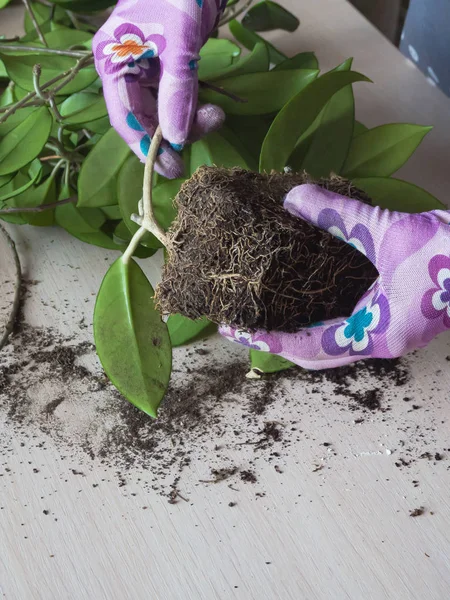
[54, 393]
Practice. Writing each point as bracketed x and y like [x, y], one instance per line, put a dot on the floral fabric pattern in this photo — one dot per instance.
[436, 301]
[259, 341]
[359, 237]
[356, 334]
[130, 46]
[146, 55]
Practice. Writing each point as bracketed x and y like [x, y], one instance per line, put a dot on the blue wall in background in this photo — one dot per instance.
[426, 39]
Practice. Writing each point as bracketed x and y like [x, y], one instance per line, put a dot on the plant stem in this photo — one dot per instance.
[148, 221]
[37, 209]
[68, 76]
[219, 90]
[234, 12]
[70, 53]
[16, 300]
[34, 21]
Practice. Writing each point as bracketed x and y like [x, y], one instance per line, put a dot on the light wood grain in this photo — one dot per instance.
[343, 532]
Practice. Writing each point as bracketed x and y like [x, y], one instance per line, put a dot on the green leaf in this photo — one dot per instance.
[216, 55]
[3, 3]
[183, 330]
[255, 62]
[359, 128]
[64, 38]
[15, 119]
[215, 150]
[83, 108]
[264, 92]
[20, 70]
[84, 6]
[100, 126]
[396, 194]
[112, 212]
[249, 39]
[5, 179]
[381, 151]
[43, 16]
[331, 140]
[264, 362]
[133, 343]
[7, 97]
[299, 114]
[21, 189]
[267, 16]
[45, 193]
[129, 192]
[250, 133]
[3, 72]
[303, 60]
[21, 145]
[98, 175]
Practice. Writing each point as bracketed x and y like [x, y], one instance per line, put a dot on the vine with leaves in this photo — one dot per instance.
[62, 163]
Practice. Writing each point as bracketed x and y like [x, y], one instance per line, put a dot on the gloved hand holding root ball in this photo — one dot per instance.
[310, 271]
[319, 278]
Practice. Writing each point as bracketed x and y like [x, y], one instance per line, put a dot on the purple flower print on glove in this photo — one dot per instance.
[404, 309]
[261, 342]
[146, 55]
[436, 301]
[359, 237]
[356, 334]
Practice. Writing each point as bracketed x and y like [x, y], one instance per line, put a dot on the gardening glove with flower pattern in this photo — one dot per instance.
[404, 309]
[146, 55]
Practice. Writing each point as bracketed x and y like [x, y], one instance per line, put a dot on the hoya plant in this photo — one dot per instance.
[61, 162]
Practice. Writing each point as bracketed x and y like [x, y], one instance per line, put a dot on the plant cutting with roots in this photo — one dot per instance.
[234, 256]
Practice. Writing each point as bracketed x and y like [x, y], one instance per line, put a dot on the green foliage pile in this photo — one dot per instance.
[62, 163]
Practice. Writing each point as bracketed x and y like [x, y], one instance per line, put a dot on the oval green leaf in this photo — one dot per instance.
[263, 92]
[267, 16]
[45, 193]
[98, 176]
[21, 145]
[15, 119]
[216, 55]
[396, 194]
[264, 362]
[331, 140]
[299, 114]
[255, 62]
[183, 330]
[7, 195]
[83, 108]
[303, 60]
[84, 6]
[215, 150]
[249, 39]
[132, 341]
[381, 151]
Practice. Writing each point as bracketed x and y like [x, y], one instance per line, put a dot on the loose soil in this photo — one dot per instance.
[213, 421]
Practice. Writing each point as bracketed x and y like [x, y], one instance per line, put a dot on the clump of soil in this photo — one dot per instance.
[237, 257]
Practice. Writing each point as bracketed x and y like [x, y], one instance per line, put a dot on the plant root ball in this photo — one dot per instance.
[237, 257]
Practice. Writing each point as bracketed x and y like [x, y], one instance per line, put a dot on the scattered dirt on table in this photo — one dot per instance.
[215, 425]
[417, 512]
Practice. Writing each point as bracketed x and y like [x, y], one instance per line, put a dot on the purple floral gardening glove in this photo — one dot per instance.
[404, 309]
[146, 55]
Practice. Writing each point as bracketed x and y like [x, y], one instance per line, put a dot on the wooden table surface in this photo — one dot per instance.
[331, 522]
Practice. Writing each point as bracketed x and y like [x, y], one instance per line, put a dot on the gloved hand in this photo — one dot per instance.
[146, 55]
[404, 309]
